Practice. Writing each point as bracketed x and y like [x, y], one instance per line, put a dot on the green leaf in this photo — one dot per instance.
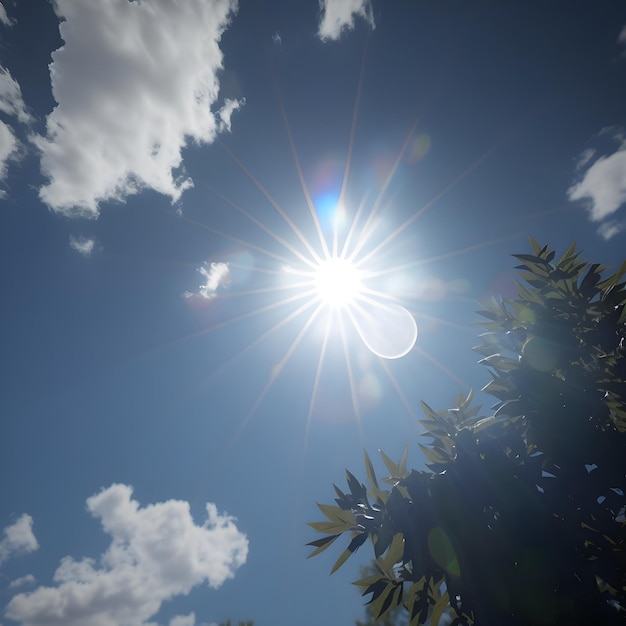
[357, 541]
[337, 514]
[394, 554]
[368, 581]
[329, 527]
[405, 455]
[369, 468]
[567, 254]
[356, 488]
[614, 279]
[440, 606]
[434, 455]
[392, 468]
[321, 544]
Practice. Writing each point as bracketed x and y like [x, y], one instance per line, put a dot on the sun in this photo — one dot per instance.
[337, 282]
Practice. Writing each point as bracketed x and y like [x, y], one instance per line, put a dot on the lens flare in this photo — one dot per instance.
[387, 329]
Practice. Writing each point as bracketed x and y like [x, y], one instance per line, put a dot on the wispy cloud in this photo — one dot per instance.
[215, 275]
[18, 538]
[134, 82]
[607, 230]
[602, 184]
[339, 15]
[8, 149]
[622, 36]
[12, 105]
[11, 101]
[156, 552]
[225, 113]
[29, 579]
[4, 18]
[82, 245]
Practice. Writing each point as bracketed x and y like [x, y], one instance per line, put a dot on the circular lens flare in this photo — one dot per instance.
[337, 282]
[387, 329]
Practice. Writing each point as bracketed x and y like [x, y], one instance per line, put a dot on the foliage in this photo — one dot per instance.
[520, 517]
[394, 617]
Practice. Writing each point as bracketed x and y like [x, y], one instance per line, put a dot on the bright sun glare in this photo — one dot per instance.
[337, 282]
[339, 276]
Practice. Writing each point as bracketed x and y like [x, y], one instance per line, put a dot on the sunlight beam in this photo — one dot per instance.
[273, 202]
[429, 204]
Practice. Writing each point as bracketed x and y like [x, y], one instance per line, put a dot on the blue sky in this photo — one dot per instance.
[176, 390]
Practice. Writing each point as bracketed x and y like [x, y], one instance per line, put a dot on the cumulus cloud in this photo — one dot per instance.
[215, 275]
[18, 538]
[339, 15]
[602, 183]
[82, 245]
[156, 552]
[134, 82]
[4, 18]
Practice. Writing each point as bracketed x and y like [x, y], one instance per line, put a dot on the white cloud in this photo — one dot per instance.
[622, 36]
[607, 230]
[183, 620]
[12, 104]
[584, 158]
[4, 18]
[29, 579]
[82, 245]
[603, 185]
[11, 101]
[216, 275]
[133, 82]
[338, 15]
[8, 149]
[156, 552]
[18, 538]
[225, 113]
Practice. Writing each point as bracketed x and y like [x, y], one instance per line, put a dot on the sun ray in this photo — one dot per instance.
[466, 172]
[351, 381]
[397, 389]
[376, 206]
[259, 311]
[447, 255]
[316, 380]
[273, 202]
[305, 189]
[348, 165]
[242, 242]
[444, 369]
[464, 328]
[264, 228]
[276, 371]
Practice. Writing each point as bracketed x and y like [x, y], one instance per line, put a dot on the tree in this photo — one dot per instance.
[520, 517]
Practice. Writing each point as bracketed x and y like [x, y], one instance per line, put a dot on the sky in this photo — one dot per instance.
[239, 243]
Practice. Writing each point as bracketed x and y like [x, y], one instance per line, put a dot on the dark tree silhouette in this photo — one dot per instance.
[520, 518]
